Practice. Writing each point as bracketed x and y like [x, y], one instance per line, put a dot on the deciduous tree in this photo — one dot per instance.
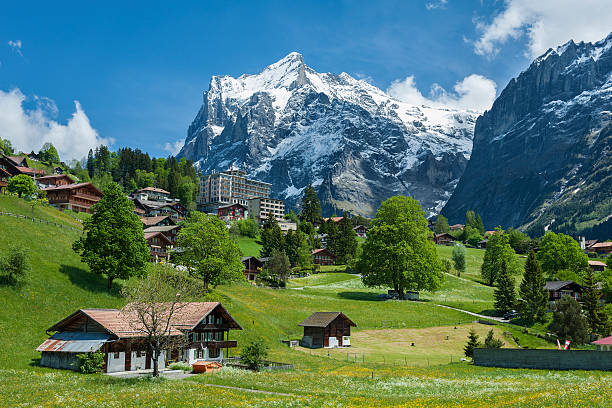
[398, 251]
[498, 252]
[441, 224]
[22, 185]
[459, 258]
[207, 250]
[561, 252]
[113, 243]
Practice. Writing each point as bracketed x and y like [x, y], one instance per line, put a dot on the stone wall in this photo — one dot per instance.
[544, 359]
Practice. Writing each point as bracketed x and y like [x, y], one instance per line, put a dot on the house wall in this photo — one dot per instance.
[55, 359]
[115, 364]
[543, 359]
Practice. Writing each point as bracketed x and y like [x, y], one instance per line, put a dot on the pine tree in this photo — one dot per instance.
[568, 322]
[532, 291]
[346, 242]
[492, 342]
[271, 237]
[504, 294]
[311, 206]
[333, 234]
[91, 165]
[591, 296]
[472, 343]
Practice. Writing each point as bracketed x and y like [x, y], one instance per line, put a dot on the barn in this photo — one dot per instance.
[326, 329]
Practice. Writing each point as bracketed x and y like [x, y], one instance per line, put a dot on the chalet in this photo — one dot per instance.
[158, 221]
[602, 248]
[456, 227]
[557, 289]
[252, 266]
[151, 194]
[597, 266]
[180, 209]
[201, 329]
[361, 231]
[55, 180]
[169, 231]
[443, 239]
[16, 165]
[326, 329]
[155, 208]
[323, 256]
[159, 246]
[232, 212]
[604, 344]
[77, 197]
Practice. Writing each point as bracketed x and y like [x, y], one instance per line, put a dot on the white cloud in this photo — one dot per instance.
[174, 148]
[30, 129]
[546, 23]
[474, 92]
[436, 4]
[16, 45]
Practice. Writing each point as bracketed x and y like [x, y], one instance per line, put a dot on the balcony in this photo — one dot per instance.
[216, 344]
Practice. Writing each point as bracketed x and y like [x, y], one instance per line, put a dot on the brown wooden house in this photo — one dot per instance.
[77, 197]
[252, 266]
[159, 246]
[443, 239]
[323, 256]
[597, 266]
[15, 165]
[158, 221]
[169, 231]
[326, 329]
[361, 231]
[4, 178]
[557, 289]
[602, 248]
[201, 330]
[55, 180]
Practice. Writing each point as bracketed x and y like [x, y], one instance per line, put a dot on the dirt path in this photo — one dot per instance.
[497, 319]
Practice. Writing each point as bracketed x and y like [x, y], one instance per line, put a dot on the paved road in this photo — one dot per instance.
[498, 319]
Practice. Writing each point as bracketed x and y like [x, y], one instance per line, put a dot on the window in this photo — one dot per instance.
[116, 355]
[138, 354]
[213, 353]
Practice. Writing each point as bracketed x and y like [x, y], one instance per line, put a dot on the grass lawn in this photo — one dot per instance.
[393, 374]
[248, 246]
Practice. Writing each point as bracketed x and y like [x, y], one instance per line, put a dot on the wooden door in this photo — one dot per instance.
[148, 357]
[128, 358]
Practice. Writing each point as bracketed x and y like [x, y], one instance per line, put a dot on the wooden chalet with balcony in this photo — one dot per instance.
[323, 256]
[159, 246]
[443, 239]
[169, 231]
[326, 329]
[77, 197]
[253, 266]
[232, 212]
[16, 165]
[558, 289]
[55, 180]
[200, 332]
[361, 231]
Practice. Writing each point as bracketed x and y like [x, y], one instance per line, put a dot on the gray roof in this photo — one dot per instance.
[323, 319]
[556, 285]
[74, 342]
[161, 228]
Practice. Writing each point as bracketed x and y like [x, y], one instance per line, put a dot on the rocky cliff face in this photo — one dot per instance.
[541, 157]
[291, 126]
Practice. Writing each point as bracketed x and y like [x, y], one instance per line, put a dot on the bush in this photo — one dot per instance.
[91, 363]
[254, 353]
[180, 366]
[14, 266]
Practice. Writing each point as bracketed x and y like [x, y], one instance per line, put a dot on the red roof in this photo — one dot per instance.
[149, 235]
[604, 341]
[29, 170]
[72, 187]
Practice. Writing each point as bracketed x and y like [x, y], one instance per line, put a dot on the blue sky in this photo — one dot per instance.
[138, 69]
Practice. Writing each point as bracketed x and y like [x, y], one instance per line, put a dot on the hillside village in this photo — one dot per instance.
[247, 272]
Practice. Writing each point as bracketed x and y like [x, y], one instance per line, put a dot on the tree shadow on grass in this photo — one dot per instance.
[90, 281]
[370, 296]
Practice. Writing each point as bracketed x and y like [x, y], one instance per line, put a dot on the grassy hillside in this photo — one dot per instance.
[59, 284]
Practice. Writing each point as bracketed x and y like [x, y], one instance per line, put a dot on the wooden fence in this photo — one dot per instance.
[25, 217]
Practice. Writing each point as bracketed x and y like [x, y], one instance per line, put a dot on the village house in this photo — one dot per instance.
[154, 208]
[597, 266]
[4, 178]
[16, 165]
[285, 226]
[323, 256]
[558, 289]
[361, 231]
[201, 330]
[232, 212]
[253, 266]
[151, 194]
[457, 227]
[55, 180]
[77, 197]
[180, 209]
[443, 239]
[326, 329]
[604, 344]
[602, 248]
[158, 221]
[159, 246]
[169, 231]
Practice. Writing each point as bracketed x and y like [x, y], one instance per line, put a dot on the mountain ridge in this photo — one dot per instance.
[290, 125]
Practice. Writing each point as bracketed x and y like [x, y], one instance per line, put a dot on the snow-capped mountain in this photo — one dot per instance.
[542, 155]
[290, 125]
